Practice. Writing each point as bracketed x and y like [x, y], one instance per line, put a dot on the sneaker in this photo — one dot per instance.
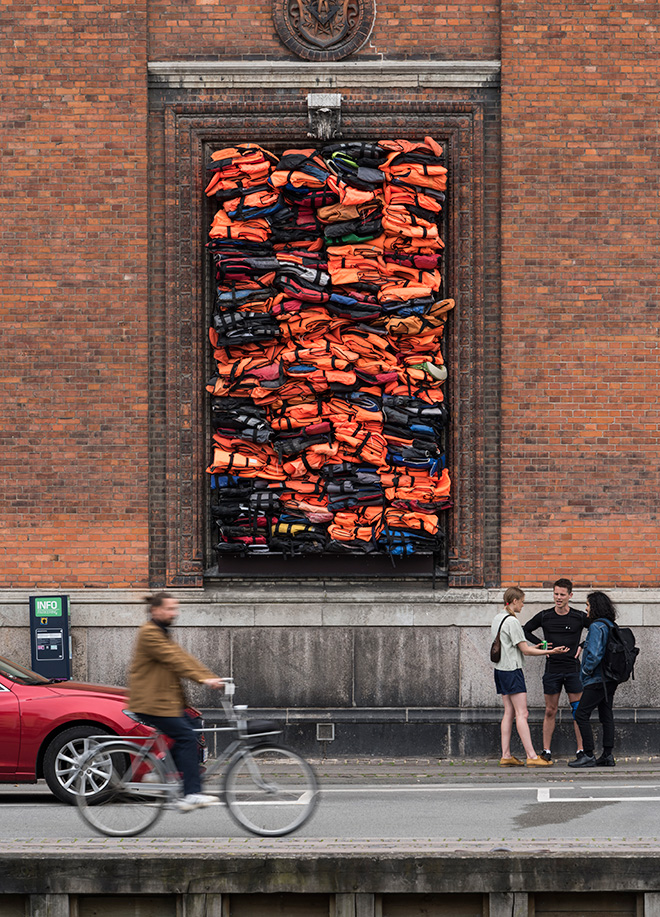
[584, 761]
[538, 762]
[546, 754]
[605, 761]
[195, 801]
[150, 777]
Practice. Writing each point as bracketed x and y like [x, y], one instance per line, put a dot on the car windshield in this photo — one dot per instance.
[18, 673]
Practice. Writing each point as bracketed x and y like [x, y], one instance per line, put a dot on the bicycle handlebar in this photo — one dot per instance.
[230, 687]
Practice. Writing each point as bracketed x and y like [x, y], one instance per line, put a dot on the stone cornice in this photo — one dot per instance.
[313, 76]
[317, 605]
[303, 592]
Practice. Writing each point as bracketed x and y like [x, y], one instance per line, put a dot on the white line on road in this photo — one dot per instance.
[543, 795]
[394, 788]
[622, 786]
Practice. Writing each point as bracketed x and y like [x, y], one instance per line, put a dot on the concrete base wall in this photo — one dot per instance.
[399, 670]
[318, 883]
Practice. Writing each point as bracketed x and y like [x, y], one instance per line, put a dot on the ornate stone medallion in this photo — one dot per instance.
[324, 30]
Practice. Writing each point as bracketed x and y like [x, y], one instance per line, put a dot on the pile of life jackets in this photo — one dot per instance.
[327, 405]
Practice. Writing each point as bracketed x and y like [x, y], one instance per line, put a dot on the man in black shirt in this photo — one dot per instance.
[561, 626]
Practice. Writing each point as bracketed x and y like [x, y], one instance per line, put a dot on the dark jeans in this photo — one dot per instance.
[595, 696]
[184, 750]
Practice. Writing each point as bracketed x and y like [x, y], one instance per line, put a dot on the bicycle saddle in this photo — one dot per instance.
[263, 727]
[136, 718]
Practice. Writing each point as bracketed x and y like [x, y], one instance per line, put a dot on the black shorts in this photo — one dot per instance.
[553, 682]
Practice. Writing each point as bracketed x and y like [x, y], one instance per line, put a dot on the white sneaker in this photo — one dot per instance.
[195, 801]
[150, 777]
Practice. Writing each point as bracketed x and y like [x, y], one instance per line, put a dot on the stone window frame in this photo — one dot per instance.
[191, 131]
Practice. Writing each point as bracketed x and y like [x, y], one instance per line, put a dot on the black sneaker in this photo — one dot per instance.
[583, 761]
[546, 755]
[605, 761]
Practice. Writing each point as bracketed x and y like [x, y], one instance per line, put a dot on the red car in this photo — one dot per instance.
[46, 726]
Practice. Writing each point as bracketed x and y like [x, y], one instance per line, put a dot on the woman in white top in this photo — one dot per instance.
[510, 680]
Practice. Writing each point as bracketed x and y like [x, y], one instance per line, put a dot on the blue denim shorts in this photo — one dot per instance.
[510, 682]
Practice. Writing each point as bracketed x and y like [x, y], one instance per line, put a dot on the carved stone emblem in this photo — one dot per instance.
[324, 30]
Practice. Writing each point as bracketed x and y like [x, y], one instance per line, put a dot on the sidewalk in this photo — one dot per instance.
[459, 770]
[436, 770]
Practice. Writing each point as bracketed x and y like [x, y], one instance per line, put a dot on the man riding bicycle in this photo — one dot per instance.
[156, 694]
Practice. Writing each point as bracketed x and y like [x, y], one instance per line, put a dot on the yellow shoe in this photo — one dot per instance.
[511, 762]
[538, 762]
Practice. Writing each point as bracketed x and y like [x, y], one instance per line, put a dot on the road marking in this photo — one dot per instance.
[543, 795]
[622, 786]
[405, 788]
[23, 805]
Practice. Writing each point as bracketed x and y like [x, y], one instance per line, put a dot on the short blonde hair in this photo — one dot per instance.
[513, 593]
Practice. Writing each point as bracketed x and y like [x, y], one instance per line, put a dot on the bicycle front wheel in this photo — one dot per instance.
[134, 789]
[270, 790]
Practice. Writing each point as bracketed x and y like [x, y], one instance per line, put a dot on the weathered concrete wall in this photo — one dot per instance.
[366, 659]
[395, 883]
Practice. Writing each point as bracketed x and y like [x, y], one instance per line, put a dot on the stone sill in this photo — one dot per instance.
[342, 591]
[270, 604]
[458, 716]
[413, 74]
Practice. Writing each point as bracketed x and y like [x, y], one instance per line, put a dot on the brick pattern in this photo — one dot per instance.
[73, 294]
[580, 262]
[578, 441]
[198, 30]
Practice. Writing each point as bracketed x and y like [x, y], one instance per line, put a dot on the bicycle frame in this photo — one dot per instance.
[155, 743]
[269, 790]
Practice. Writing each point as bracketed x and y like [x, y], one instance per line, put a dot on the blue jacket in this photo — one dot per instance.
[591, 671]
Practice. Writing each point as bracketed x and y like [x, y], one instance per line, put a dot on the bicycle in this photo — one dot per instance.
[124, 784]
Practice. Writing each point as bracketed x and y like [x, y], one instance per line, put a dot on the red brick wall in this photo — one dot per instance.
[580, 432]
[460, 30]
[73, 293]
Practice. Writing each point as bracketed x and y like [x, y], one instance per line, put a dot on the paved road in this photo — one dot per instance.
[366, 802]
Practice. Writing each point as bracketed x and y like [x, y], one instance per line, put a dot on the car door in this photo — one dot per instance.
[10, 729]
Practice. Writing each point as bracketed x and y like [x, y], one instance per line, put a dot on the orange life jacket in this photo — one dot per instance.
[427, 522]
[361, 524]
[412, 146]
[406, 196]
[348, 195]
[430, 323]
[249, 230]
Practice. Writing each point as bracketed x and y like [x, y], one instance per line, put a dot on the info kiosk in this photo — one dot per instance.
[49, 636]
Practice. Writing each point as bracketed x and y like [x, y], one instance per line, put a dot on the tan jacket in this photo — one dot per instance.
[158, 665]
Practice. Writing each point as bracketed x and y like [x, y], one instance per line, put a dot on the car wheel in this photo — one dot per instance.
[62, 758]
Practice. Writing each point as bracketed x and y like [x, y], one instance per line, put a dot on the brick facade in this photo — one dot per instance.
[580, 268]
[98, 441]
[73, 295]
[244, 31]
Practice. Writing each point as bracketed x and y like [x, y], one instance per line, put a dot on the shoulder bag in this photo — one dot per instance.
[496, 645]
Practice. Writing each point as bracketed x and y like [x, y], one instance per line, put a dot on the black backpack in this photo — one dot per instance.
[620, 655]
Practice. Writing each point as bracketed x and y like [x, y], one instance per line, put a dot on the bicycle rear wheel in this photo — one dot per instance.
[134, 789]
[270, 790]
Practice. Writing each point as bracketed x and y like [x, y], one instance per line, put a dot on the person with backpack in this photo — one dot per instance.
[598, 687]
[507, 651]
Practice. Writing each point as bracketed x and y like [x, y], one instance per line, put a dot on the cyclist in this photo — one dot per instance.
[156, 694]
